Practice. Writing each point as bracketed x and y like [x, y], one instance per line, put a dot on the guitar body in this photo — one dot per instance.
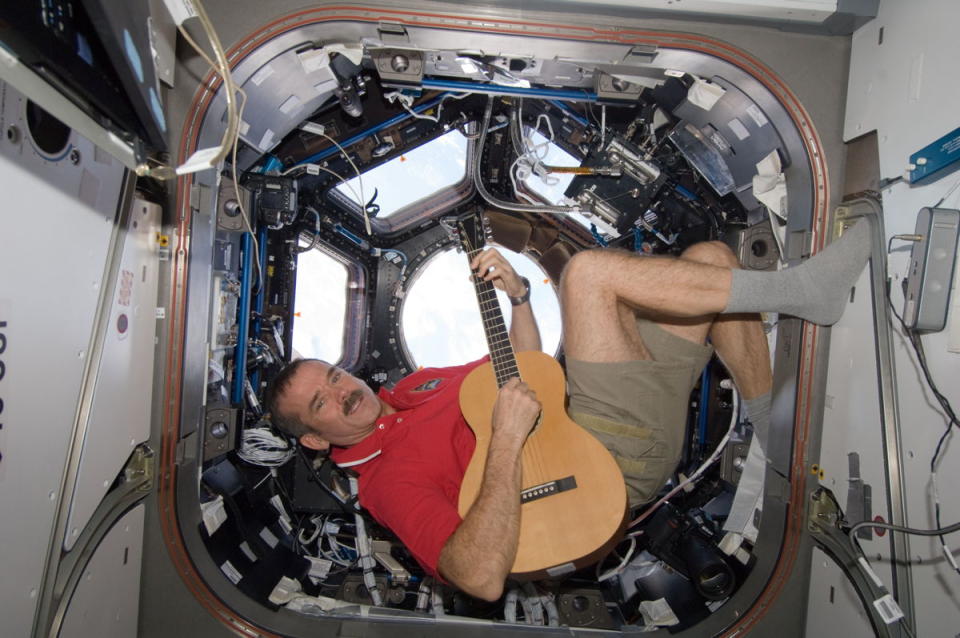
[576, 514]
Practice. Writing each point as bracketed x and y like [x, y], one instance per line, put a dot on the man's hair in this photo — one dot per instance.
[286, 423]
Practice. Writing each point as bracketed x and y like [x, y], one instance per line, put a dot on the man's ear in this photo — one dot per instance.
[314, 441]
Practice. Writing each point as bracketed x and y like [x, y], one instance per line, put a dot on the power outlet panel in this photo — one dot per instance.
[932, 264]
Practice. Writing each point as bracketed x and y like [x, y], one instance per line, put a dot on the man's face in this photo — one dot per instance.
[339, 408]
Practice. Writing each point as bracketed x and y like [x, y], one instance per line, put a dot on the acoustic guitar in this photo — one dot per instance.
[573, 498]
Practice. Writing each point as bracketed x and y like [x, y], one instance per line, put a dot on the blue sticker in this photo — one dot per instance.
[429, 385]
[132, 55]
[157, 109]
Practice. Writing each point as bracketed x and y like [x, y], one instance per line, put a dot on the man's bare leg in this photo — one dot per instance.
[610, 281]
[683, 288]
[600, 326]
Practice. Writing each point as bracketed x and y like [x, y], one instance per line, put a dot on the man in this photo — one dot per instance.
[635, 335]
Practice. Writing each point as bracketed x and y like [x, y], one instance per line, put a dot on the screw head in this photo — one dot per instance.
[75, 157]
[400, 63]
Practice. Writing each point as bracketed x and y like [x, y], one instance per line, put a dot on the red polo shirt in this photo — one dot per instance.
[411, 466]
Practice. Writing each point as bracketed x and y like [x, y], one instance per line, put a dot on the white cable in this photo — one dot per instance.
[406, 101]
[243, 211]
[222, 67]
[260, 446]
[510, 605]
[318, 527]
[230, 145]
[343, 180]
[363, 198]
[610, 573]
[700, 470]
[530, 162]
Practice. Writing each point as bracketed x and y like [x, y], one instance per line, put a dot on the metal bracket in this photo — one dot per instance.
[219, 431]
[399, 65]
[824, 522]
[229, 215]
[381, 552]
[869, 209]
[613, 89]
[859, 496]
[756, 247]
[798, 244]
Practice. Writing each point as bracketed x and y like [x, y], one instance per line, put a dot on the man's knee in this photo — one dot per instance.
[582, 272]
[715, 253]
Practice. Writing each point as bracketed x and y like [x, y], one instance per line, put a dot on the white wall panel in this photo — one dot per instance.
[56, 220]
[905, 85]
[52, 254]
[120, 416]
[106, 601]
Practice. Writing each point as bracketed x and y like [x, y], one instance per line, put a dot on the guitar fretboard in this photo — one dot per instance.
[498, 338]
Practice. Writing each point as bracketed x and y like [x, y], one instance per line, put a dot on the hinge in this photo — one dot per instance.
[641, 54]
[393, 33]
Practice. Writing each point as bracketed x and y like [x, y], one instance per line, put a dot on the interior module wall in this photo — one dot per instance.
[904, 85]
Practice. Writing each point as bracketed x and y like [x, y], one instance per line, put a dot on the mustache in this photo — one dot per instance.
[351, 401]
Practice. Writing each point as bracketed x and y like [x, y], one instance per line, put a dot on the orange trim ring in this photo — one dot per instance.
[180, 266]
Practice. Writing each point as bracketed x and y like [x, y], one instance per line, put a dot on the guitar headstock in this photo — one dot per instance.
[469, 231]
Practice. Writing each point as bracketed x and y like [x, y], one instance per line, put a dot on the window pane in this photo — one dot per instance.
[441, 320]
[319, 307]
[414, 175]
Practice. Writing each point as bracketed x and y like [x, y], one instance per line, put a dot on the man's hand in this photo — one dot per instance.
[490, 265]
[515, 411]
[478, 556]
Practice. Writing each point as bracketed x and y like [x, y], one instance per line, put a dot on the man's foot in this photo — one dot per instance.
[816, 290]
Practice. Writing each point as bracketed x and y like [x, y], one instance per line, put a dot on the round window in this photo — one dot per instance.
[440, 320]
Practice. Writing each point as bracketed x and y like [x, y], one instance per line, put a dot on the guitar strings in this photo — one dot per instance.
[503, 359]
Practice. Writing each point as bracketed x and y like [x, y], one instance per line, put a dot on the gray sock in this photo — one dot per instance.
[758, 411]
[816, 290]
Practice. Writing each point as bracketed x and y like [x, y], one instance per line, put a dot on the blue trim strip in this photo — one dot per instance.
[683, 191]
[570, 112]
[496, 89]
[420, 108]
[243, 321]
[258, 301]
[704, 402]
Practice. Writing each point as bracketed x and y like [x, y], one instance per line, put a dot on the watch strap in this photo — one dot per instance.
[516, 301]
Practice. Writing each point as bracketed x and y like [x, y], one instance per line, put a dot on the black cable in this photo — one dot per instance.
[889, 181]
[940, 531]
[947, 194]
[914, 338]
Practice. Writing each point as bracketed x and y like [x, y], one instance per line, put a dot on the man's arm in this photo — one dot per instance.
[479, 554]
[524, 333]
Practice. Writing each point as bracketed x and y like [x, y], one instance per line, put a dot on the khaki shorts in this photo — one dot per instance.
[638, 409]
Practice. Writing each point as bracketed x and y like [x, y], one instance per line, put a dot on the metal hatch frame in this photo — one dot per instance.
[798, 381]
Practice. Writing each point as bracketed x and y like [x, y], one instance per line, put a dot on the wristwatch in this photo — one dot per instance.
[516, 301]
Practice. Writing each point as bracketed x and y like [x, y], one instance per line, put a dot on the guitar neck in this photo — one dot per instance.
[498, 338]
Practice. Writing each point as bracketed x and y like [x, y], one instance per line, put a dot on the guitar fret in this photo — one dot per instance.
[502, 356]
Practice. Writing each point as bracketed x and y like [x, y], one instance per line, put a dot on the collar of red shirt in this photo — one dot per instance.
[371, 446]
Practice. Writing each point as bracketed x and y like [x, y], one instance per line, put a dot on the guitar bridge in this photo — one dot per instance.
[547, 489]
